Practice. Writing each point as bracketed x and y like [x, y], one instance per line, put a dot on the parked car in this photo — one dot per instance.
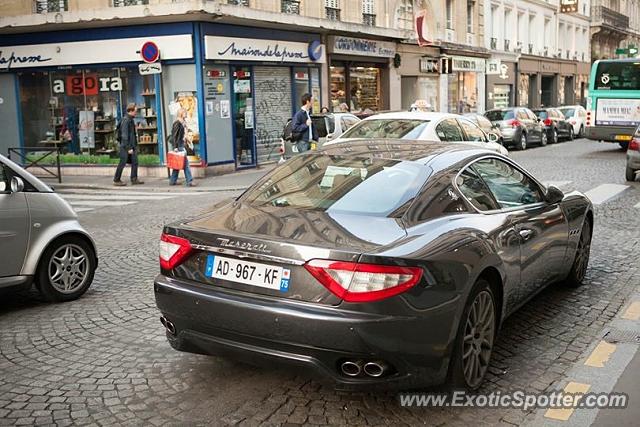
[577, 116]
[486, 125]
[41, 239]
[382, 262]
[329, 126]
[633, 156]
[421, 126]
[555, 124]
[519, 126]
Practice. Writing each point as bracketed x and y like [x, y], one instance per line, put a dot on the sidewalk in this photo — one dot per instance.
[236, 181]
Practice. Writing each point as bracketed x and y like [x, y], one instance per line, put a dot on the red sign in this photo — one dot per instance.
[76, 85]
[150, 52]
[421, 25]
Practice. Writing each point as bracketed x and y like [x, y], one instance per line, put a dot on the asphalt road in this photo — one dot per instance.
[104, 359]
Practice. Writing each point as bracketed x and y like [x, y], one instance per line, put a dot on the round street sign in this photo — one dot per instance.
[150, 52]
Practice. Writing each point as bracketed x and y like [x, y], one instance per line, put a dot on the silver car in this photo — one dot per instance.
[41, 240]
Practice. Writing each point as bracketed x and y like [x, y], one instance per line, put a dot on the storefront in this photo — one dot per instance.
[501, 83]
[466, 85]
[546, 82]
[252, 86]
[359, 74]
[419, 75]
[73, 87]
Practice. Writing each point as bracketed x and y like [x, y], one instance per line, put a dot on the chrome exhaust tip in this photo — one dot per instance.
[352, 368]
[375, 369]
[170, 327]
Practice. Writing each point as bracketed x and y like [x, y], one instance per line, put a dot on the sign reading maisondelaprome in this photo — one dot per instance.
[361, 47]
[234, 48]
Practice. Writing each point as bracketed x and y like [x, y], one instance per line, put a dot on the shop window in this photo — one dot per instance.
[123, 3]
[364, 83]
[463, 92]
[291, 7]
[332, 9]
[338, 89]
[47, 6]
[78, 110]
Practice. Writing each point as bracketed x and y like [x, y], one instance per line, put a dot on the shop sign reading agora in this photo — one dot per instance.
[241, 49]
[361, 47]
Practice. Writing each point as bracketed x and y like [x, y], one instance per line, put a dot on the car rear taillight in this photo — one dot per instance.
[634, 144]
[514, 123]
[173, 251]
[357, 282]
[547, 122]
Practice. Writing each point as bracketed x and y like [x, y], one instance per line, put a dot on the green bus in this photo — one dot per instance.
[613, 103]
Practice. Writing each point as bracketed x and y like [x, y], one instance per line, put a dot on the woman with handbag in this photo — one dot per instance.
[178, 134]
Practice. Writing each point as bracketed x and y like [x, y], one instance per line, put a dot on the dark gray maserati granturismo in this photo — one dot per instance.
[386, 263]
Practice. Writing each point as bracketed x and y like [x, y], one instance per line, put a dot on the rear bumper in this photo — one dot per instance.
[318, 338]
[608, 133]
[633, 159]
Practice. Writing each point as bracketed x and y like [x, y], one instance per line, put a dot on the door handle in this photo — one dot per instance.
[525, 234]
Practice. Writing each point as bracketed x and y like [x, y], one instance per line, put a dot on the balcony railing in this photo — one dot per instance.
[507, 45]
[369, 19]
[238, 2]
[123, 3]
[291, 7]
[494, 43]
[46, 6]
[332, 13]
[609, 17]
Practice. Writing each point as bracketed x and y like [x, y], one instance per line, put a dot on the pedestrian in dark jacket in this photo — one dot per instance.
[128, 139]
[303, 126]
[178, 135]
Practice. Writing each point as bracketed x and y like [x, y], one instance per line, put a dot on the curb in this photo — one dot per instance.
[148, 189]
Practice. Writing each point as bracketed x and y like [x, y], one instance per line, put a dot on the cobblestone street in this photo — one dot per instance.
[104, 359]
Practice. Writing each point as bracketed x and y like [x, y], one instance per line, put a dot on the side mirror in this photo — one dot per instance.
[493, 137]
[554, 194]
[17, 184]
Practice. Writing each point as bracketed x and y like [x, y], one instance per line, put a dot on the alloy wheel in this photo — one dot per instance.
[523, 142]
[554, 139]
[543, 139]
[477, 343]
[68, 268]
[582, 253]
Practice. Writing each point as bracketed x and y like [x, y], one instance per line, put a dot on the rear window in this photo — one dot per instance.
[336, 184]
[497, 115]
[618, 76]
[568, 112]
[387, 128]
[541, 113]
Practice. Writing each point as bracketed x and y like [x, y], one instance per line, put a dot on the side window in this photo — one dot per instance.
[509, 186]
[484, 123]
[448, 130]
[347, 122]
[4, 180]
[531, 115]
[475, 190]
[473, 132]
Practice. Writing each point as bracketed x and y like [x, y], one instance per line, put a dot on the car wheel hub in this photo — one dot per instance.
[478, 338]
[68, 268]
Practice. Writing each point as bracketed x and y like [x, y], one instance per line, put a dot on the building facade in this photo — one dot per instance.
[614, 24]
[539, 56]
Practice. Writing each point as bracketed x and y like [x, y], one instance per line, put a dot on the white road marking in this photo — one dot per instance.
[110, 196]
[99, 203]
[82, 209]
[132, 193]
[559, 184]
[604, 192]
[637, 206]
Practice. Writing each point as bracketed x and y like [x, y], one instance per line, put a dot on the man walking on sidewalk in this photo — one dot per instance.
[126, 136]
[303, 126]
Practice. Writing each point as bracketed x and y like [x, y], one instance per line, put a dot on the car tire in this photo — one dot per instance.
[571, 134]
[581, 259]
[624, 145]
[68, 262]
[468, 372]
[554, 136]
[544, 140]
[581, 132]
[630, 174]
[522, 144]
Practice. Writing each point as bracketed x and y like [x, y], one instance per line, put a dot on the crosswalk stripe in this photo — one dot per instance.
[99, 203]
[113, 197]
[604, 192]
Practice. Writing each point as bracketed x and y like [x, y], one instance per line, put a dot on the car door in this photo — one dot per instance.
[542, 227]
[14, 226]
[535, 124]
[448, 130]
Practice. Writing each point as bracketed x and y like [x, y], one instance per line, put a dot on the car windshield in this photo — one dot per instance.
[365, 185]
[568, 112]
[387, 128]
[541, 113]
[497, 115]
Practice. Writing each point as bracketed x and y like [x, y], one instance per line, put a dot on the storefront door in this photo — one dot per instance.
[243, 116]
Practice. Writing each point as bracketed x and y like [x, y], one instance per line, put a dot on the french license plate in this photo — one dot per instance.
[623, 137]
[248, 273]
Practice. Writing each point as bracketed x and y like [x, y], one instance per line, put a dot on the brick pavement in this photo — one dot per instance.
[103, 359]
